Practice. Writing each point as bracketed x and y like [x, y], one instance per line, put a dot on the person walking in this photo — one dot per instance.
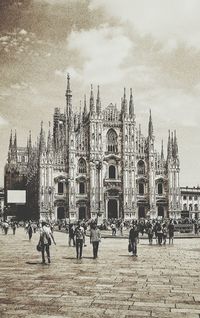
[150, 233]
[71, 234]
[133, 238]
[159, 233]
[79, 239]
[30, 231]
[95, 238]
[171, 232]
[13, 225]
[164, 229]
[6, 227]
[45, 239]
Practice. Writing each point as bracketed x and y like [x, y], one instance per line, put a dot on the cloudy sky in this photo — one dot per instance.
[152, 46]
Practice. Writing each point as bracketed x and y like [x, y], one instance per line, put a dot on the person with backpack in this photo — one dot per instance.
[133, 238]
[45, 241]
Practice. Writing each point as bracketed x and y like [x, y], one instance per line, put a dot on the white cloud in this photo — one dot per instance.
[100, 52]
[23, 32]
[169, 21]
[3, 121]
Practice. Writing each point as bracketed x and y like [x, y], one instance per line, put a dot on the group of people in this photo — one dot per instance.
[154, 229]
[76, 235]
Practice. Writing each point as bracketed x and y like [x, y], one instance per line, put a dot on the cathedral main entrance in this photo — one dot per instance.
[61, 213]
[82, 212]
[112, 209]
[141, 212]
[161, 211]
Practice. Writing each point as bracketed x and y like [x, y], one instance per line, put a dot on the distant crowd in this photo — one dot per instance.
[158, 230]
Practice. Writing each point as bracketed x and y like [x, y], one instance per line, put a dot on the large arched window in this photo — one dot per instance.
[190, 207]
[112, 172]
[112, 141]
[196, 207]
[141, 167]
[60, 188]
[160, 188]
[81, 187]
[141, 188]
[81, 166]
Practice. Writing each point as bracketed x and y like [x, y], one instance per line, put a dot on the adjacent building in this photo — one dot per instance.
[190, 202]
[96, 162]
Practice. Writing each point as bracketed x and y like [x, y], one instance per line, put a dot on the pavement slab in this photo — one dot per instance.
[163, 281]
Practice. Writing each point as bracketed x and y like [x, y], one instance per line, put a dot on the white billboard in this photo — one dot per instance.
[16, 196]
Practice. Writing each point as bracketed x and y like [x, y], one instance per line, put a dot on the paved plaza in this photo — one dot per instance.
[163, 281]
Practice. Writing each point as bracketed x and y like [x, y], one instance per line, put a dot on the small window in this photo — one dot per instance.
[184, 197]
[190, 197]
[112, 172]
[160, 188]
[60, 187]
[81, 187]
[195, 197]
[184, 207]
[141, 188]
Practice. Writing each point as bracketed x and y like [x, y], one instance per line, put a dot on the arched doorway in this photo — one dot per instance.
[61, 213]
[82, 212]
[161, 211]
[141, 212]
[112, 209]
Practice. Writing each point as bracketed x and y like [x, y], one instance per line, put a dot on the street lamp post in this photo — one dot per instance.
[98, 167]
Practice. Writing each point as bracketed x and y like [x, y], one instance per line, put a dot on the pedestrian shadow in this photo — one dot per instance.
[125, 255]
[33, 263]
[85, 257]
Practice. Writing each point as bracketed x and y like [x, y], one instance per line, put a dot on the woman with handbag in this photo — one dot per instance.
[45, 241]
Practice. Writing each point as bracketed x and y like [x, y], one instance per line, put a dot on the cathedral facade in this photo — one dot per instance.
[97, 163]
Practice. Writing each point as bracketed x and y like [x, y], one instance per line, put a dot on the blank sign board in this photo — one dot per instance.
[16, 196]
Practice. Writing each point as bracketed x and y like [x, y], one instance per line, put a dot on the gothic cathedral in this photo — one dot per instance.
[96, 162]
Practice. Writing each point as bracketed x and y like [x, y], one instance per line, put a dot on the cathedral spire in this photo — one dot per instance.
[150, 126]
[91, 101]
[29, 140]
[169, 147]
[10, 143]
[49, 140]
[124, 103]
[68, 95]
[131, 104]
[175, 152]
[42, 139]
[15, 141]
[162, 152]
[98, 102]
[85, 108]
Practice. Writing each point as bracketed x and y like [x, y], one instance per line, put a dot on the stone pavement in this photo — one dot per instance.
[163, 281]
